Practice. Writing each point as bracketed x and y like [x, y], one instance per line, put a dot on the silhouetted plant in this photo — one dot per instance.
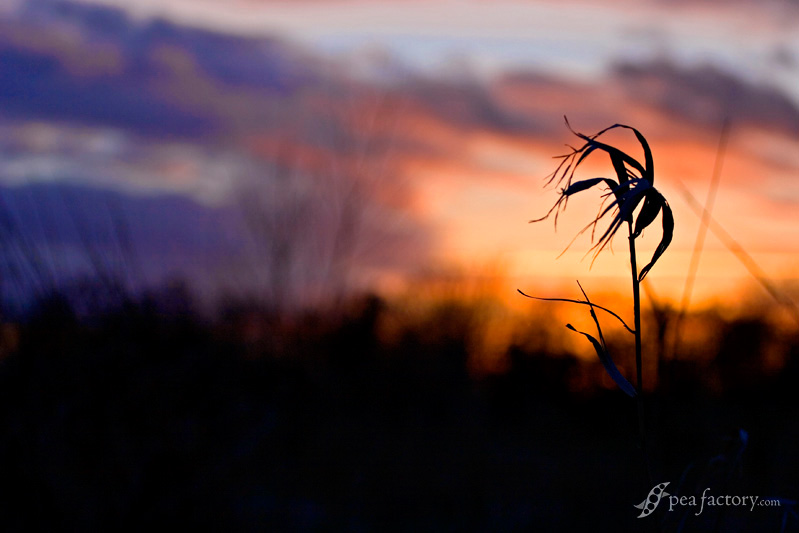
[634, 202]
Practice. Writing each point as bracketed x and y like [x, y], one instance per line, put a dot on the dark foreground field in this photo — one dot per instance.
[141, 419]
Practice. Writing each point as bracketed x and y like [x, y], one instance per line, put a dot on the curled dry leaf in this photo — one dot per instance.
[632, 188]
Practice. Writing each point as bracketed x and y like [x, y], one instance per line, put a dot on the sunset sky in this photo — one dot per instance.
[446, 114]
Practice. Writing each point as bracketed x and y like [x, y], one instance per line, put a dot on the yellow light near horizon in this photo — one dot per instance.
[481, 199]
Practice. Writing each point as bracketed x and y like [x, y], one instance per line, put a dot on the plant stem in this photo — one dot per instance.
[639, 384]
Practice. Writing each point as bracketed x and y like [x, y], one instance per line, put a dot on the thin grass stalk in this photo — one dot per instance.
[639, 367]
[634, 200]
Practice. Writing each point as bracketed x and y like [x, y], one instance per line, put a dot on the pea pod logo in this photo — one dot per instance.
[651, 502]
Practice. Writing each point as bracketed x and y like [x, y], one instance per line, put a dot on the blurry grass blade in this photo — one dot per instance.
[607, 362]
[668, 234]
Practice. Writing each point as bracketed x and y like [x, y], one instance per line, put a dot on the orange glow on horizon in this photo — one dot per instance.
[482, 198]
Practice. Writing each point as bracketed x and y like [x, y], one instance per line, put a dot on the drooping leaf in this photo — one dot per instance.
[632, 198]
[607, 362]
[579, 186]
[622, 200]
[618, 166]
[615, 188]
[648, 172]
[652, 204]
[632, 189]
[665, 240]
[586, 150]
[617, 317]
[649, 162]
[612, 151]
[615, 152]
